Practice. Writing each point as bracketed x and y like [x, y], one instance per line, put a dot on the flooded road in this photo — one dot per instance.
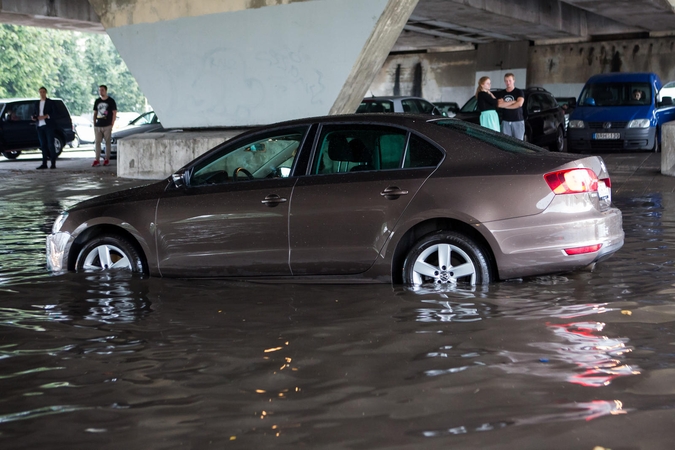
[117, 361]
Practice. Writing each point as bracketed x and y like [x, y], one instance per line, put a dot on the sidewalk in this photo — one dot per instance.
[70, 162]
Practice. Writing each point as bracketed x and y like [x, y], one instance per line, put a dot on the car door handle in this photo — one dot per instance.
[273, 200]
[393, 192]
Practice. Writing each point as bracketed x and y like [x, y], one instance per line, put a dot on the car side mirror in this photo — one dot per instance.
[178, 179]
[666, 101]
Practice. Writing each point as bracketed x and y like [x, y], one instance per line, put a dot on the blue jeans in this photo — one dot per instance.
[46, 136]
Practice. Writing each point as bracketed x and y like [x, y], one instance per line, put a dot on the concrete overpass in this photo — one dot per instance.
[208, 63]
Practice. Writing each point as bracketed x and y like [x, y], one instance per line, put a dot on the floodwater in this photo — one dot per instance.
[115, 361]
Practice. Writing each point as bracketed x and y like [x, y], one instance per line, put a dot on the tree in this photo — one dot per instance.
[71, 65]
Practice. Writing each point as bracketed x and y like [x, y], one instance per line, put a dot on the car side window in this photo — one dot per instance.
[410, 106]
[23, 111]
[425, 107]
[422, 153]
[267, 156]
[355, 148]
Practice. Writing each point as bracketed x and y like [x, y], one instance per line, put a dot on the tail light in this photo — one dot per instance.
[582, 250]
[572, 181]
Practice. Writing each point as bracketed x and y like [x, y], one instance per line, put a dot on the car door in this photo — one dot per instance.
[666, 112]
[231, 217]
[18, 127]
[361, 179]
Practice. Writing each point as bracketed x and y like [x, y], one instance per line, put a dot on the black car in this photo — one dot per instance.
[17, 129]
[544, 118]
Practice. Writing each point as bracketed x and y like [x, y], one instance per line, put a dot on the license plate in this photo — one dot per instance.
[607, 136]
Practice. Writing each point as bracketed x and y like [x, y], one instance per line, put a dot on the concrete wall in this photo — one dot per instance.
[154, 156]
[561, 68]
[451, 76]
[564, 68]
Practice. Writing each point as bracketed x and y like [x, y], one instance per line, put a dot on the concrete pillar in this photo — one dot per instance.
[668, 149]
[205, 63]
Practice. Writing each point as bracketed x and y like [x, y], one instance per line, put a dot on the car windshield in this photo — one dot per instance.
[371, 106]
[494, 138]
[616, 94]
[145, 119]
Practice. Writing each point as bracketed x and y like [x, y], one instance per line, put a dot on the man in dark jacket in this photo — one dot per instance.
[45, 121]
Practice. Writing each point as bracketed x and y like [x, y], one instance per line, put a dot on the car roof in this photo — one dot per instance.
[14, 100]
[623, 76]
[393, 97]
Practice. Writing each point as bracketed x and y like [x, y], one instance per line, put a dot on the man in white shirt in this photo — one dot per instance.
[45, 122]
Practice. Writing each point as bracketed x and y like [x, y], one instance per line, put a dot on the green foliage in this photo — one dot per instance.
[71, 65]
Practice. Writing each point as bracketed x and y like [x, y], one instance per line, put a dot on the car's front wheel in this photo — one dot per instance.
[446, 257]
[11, 154]
[109, 253]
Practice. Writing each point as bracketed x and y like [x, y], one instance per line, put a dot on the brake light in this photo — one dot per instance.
[572, 181]
[607, 181]
[582, 250]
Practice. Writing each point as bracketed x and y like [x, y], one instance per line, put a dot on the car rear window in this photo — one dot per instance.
[496, 139]
[375, 106]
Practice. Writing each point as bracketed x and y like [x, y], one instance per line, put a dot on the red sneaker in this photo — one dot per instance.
[106, 162]
[95, 163]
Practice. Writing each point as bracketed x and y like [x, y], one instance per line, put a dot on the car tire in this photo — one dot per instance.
[59, 143]
[559, 144]
[11, 154]
[422, 264]
[657, 147]
[109, 252]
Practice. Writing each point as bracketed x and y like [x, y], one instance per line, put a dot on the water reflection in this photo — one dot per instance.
[112, 360]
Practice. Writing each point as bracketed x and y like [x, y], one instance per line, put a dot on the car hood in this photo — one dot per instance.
[139, 193]
[610, 113]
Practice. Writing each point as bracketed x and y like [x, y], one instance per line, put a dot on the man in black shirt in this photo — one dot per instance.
[105, 113]
[511, 101]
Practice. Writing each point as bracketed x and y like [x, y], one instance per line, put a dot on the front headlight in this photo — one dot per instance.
[638, 123]
[576, 124]
[58, 223]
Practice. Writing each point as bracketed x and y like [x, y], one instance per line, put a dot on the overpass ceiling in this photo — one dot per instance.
[447, 24]
[441, 25]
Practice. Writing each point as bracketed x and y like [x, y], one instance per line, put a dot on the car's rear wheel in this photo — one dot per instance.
[11, 154]
[446, 257]
[109, 253]
[559, 144]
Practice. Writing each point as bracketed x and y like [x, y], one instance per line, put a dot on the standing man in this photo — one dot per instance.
[105, 113]
[44, 115]
[511, 101]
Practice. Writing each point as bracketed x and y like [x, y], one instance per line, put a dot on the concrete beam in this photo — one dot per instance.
[74, 15]
[645, 15]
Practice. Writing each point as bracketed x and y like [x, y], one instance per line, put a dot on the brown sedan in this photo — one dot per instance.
[380, 197]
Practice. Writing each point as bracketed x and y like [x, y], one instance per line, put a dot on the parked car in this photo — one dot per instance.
[123, 119]
[145, 123]
[608, 116]
[84, 131]
[544, 118]
[380, 197]
[17, 128]
[398, 104]
[448, 109]
[567, 104]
